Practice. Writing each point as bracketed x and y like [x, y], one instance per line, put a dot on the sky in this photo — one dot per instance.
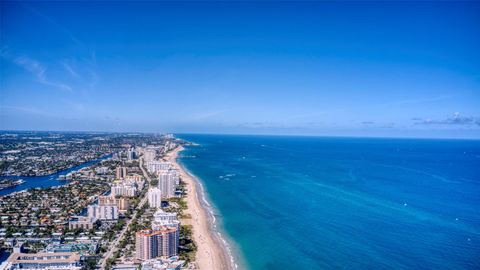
[396, 69]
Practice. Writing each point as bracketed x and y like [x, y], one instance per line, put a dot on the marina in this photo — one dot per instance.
[51, 180]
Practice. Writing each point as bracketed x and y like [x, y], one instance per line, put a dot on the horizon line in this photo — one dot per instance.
[250, 134]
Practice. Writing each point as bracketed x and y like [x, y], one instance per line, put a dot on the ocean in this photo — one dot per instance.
[343, 203]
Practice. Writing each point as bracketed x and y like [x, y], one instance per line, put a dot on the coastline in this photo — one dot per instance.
[212, 250]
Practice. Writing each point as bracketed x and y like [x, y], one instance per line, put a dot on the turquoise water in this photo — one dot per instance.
[344, 203]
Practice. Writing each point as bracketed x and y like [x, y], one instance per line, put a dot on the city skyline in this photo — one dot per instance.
[326, 69]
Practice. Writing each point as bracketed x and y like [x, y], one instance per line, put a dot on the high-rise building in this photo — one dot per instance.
[168, 240]
[167, 183]
[162, 219]
[176, 175]
[131, 154]
[121, 172]
[122, 203]
[149, 154]
[156, 243]
[123, 190]
[106, 200]
[156, 166]
[146, 245]
[134, 178]
[155, 197]
[169, 146]
[103, 212]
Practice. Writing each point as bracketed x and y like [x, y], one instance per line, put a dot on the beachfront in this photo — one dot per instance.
[99, 214]
[212, 253]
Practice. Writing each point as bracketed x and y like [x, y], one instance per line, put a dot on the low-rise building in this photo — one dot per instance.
[125, 267]
[163, 264]
[103, 212]
[38, 261]
[83, 247]
[162, 219]
[81, 222]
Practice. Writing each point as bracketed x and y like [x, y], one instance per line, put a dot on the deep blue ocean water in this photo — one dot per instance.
[343, 203]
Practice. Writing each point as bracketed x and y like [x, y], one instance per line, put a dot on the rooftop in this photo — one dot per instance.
[43, 257]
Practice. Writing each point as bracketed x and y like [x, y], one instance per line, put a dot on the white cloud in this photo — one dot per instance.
[37, 69]
[455, 119]
[69, 68]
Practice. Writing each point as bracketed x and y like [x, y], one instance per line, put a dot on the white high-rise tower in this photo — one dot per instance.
[155, 197]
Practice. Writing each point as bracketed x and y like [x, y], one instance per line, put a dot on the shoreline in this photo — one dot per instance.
[213, 251]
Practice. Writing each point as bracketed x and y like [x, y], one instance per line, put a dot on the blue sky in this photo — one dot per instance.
[404, 69]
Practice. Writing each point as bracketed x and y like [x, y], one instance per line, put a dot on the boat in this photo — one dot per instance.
[7, 183]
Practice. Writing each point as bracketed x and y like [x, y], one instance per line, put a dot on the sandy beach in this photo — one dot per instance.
[212, 253]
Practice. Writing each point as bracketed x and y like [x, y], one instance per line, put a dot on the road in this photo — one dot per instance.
[113, 246]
